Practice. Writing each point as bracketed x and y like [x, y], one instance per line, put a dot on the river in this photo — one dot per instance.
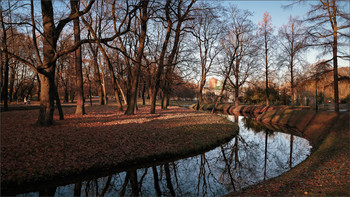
[257, 153]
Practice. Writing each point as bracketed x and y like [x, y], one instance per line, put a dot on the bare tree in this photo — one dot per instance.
[293, 43]
[80, 109]
[144, 16]
[266, 33]
[115, 83]
[240, 48]
[160, 67]
[226, 72]
[329, 20]
[47, 59]
[181, 11]
[207, 31]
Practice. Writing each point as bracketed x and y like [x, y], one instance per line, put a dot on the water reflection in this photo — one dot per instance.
[257, 153]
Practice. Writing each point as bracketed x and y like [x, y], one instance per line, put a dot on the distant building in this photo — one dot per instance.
[213, 82]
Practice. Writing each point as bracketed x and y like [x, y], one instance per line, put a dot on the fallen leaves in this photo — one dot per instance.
[103, 137]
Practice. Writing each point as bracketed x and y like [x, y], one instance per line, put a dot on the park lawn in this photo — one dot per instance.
[101, 140]
[326, 171]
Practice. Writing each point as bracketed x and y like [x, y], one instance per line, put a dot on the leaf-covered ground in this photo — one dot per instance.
[103, 137]
[326, 172]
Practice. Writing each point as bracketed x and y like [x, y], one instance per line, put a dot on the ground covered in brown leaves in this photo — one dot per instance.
[101, 139]
[326, 172]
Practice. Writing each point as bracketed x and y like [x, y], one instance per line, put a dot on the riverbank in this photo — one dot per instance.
[104, 139]
[326, 171]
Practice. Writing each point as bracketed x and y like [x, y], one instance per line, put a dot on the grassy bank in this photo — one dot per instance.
[326, 171]
[103, 139]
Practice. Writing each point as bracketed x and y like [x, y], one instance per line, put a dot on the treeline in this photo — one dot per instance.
[78, 49]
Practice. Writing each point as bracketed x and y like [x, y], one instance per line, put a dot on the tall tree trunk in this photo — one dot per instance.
[166, 95]
[97, 77]
[47, 89]
[12, 82]
[236, 96]
[39, 85]
[200, 92]
[115, 83]
[6, 65]
[134, 84]
[103, 83]
[47, 95]
[267, 77]
[143, 92]
[58, 104]
[292, 81]
[161, 59]
[66, 92]
[80, 110]
[335, 58]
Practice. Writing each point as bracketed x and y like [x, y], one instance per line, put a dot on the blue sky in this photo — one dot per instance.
[279, 16]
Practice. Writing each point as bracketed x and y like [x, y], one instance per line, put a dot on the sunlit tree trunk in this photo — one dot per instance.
[97, 76]
[292, 80]
[335, 58]
[80, 109]
[236, 86]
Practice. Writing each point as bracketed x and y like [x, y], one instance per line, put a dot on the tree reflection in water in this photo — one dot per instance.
[257, 153]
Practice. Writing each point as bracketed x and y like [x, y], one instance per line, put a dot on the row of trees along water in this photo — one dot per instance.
[133, 48]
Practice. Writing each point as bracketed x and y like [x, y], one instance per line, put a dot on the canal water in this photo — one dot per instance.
[257, 153]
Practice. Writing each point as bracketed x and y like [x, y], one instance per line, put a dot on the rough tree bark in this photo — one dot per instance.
[80, 109]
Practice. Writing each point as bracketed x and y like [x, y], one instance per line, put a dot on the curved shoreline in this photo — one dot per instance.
[178, 132]
[325, 172]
